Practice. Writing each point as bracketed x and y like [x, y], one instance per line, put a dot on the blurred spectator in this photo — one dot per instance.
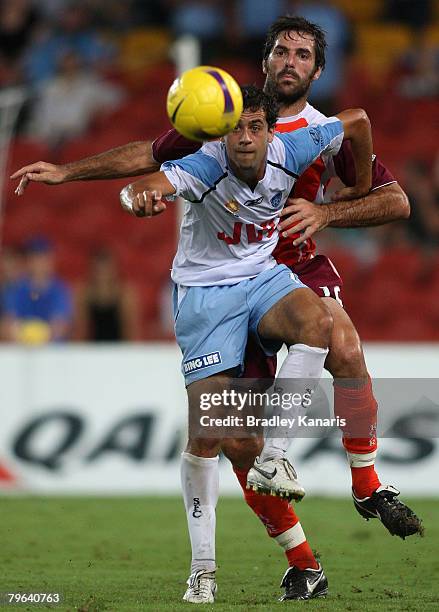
[51, 9]
[424, 198]
[106, 307]
[17, 19]
[339, 39]
[73, 32]
[37, 308]
[68, 103]
[422, 71]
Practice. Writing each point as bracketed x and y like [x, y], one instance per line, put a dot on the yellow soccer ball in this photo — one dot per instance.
[204, 103]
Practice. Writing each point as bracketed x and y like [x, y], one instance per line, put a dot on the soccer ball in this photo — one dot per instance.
[204, 103]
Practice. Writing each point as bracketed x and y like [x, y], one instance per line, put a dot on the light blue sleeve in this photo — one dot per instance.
[193, 175]
[305, 145]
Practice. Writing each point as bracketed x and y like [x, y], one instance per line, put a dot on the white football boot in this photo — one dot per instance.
[201, 587]
[276, 477]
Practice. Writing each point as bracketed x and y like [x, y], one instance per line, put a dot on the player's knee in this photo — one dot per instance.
[316, 326]
[203, 447]
[325, 324]
[242, 452]
[346, 358]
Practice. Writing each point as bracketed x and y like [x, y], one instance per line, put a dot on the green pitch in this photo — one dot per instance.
[132, 554]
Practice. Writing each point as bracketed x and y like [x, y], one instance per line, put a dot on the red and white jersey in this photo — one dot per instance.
[314, 182]
[312, 185]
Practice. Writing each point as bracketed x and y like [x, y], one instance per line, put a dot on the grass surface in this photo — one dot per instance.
[132, 554]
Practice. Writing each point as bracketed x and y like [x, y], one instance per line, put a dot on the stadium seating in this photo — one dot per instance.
[139, 50]
[82, 217]
[361, 10]
[395, 298]
[378, 46]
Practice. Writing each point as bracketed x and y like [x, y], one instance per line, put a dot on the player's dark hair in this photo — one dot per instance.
[256, 99]
[288, 23]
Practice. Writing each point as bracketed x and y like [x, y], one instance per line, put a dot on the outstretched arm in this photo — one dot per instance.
[131, 159]
[142, 198]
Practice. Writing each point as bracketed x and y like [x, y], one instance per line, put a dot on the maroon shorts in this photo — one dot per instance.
[320, 275]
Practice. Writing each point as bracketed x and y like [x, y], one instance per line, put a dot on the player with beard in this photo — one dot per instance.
[294, 56]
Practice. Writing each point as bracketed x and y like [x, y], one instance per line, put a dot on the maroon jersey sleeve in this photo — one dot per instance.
[172, 145]
[345, 168]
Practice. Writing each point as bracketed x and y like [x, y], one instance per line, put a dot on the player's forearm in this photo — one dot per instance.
[157, 181]
[142, 198]
[358, 130]
[383, 205]
[132, 159]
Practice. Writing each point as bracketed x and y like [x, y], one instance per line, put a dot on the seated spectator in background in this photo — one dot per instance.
[106, 306]
[421, 71]
[37, 308]
[68, 103]
[17, 19]
[339, 38]
[424, 199]
[72, 32]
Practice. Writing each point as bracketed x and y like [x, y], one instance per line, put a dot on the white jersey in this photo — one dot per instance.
[228, 232]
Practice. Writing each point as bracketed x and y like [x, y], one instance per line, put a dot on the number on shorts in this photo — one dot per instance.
[334, 294]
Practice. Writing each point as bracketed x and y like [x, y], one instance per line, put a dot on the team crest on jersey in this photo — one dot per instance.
[275, 200]
[316, 135]
[232, 206]
[254, 202]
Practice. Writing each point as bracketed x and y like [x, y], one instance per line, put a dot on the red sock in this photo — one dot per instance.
[279, 519]
[358, 407]
[301, 557]
[364, 481]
